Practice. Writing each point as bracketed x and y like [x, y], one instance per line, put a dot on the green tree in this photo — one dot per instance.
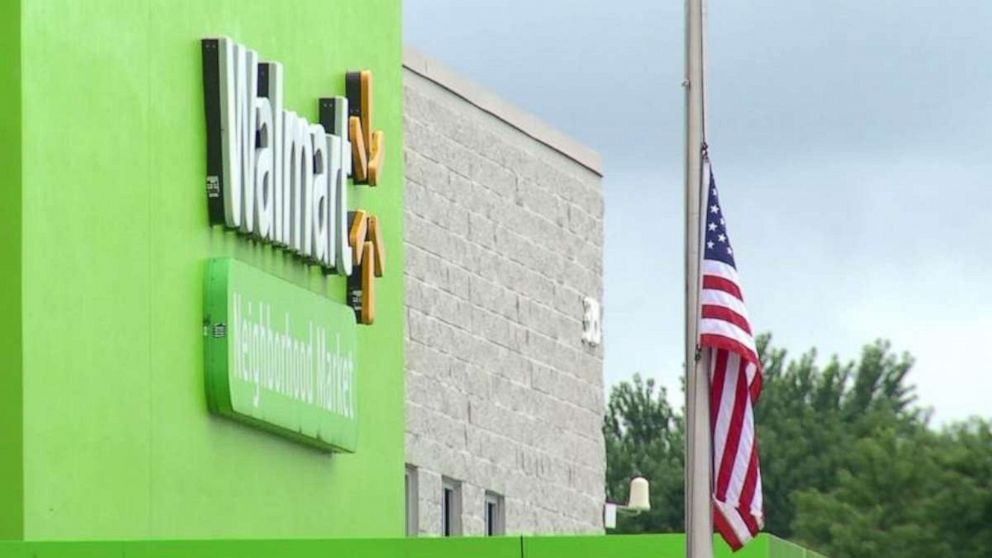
[961, 506]
[879, 507]
[907, 494]
[850, 464]
[644, 436]
[809, 417]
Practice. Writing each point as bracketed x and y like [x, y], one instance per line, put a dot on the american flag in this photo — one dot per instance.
[735, 383]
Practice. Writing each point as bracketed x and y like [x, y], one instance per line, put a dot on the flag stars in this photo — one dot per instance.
[710, 244]
[712, 226]
[722, 238]
[730, 250]
[714, 209]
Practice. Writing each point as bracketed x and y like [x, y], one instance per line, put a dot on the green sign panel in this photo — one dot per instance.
[279, 356]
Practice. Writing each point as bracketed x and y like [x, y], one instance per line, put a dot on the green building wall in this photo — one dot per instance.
[11, 465]
[104, 423]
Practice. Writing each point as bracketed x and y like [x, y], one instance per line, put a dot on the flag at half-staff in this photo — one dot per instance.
[735, 380]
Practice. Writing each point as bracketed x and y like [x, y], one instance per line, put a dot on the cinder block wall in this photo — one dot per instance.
[504, 236]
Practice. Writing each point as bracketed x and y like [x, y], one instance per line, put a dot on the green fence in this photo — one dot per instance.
[632, 546]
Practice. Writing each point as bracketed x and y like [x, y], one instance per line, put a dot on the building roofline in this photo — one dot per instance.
[530, 125]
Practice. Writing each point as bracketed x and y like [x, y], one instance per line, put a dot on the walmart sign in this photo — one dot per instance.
[275, 177]
[279, 356]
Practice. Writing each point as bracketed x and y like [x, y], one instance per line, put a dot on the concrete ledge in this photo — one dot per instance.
[476, 95]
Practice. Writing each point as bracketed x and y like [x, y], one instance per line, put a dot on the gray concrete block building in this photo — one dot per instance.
[504, 256]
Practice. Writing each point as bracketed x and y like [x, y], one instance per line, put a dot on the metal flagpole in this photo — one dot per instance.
[698, 503]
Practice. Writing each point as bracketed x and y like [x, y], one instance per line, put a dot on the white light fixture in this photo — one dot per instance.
[638, 501]
[639, 495]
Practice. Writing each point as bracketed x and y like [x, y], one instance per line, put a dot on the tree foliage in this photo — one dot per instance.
[644, 436]
[850, 463]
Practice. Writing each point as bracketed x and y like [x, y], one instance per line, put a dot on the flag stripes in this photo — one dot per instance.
[735, 383]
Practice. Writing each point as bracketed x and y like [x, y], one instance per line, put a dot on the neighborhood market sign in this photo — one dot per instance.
[279, 356]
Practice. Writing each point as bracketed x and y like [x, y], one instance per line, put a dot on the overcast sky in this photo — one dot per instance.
[851, 140]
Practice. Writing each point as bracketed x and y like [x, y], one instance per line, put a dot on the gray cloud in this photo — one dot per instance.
[850, 141]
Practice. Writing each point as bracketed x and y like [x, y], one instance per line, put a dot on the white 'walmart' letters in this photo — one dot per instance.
[286, 178]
